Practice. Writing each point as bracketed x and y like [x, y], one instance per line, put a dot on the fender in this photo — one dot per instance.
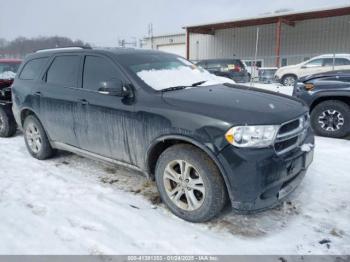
[29, 109]
[196, 143]
[329, 94]
[37, 116]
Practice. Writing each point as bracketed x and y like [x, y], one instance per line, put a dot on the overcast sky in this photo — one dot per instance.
[103, 22]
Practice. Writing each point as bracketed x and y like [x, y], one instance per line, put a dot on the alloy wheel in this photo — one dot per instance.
[289, 81]
[331, 120]
[184, 185]
[2, 124]
[33, 138]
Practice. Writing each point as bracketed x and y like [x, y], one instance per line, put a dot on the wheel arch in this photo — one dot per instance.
[160, 144]
[317, 101]
[26, 112]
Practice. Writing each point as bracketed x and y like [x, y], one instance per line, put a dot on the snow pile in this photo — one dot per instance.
[306, 147]
[275, 87]
[7, 75]
[73, 205]
[180, 76]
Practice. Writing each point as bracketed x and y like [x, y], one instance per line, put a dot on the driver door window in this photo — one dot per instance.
[314, 63]
[98, 70]
[313, 67]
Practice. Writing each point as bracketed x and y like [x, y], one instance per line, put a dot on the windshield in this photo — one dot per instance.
[8, 70]
[162, 71]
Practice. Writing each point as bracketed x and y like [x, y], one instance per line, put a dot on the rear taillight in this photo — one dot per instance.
[236, 69]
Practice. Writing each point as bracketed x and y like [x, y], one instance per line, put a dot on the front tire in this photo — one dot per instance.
[8, 126]
[36, 139]
[289, 80]
[331, 119]
[190, 184]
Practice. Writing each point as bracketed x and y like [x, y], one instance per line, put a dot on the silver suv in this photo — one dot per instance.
[288, 75]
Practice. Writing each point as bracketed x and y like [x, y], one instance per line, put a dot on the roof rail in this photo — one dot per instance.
[63, 48]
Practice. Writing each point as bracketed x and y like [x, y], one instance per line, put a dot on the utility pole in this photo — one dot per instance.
[150, 33]
[124, 43]
[255, 56]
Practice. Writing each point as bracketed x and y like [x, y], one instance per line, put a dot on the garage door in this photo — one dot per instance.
[178, 49]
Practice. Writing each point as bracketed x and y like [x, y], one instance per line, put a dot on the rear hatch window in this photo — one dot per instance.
[232, 65]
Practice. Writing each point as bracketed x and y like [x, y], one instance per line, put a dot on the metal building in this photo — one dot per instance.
[283, 38]
[173, 43]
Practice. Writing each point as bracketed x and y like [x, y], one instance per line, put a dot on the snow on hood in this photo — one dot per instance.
[180, 76]
[7, 75]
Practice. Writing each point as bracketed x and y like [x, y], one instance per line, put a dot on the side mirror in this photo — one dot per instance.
[303, 67]
[114, 88]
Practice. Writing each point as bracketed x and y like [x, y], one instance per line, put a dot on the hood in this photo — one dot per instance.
[339, 73]
[289, 67]
[236, 105]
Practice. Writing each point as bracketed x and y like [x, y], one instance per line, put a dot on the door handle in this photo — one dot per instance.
[37, 93]
[83, 102]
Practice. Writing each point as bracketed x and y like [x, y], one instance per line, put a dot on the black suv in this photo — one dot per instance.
[202, 141]
[230, 68]
[328, 96]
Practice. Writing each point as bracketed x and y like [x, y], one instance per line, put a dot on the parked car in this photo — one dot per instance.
[267, 74]
[8, 69]
[288, 75]
[202, 140]
[328, 96]
[231, 68]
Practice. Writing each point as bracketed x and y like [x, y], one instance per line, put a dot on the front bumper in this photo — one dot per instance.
[259, 178]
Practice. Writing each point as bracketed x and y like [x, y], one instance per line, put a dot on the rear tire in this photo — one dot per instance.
[190, 184]
[36, 139]
[331, 119]
[8, 126]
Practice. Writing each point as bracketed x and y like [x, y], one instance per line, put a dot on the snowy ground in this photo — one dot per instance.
[72, 205]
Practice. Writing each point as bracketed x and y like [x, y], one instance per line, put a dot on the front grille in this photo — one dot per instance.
[291, 134]
[280, 146]
[289, 126]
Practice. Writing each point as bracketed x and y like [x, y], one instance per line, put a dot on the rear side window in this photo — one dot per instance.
[224, 65]
[64, 71]
[33, 68]
[97, 70]
[336, 62]
[341, 61]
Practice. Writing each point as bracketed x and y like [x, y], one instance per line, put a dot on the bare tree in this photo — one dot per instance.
[22, 46]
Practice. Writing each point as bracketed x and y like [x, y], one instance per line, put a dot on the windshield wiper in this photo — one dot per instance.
[198, 83]
[173, 88]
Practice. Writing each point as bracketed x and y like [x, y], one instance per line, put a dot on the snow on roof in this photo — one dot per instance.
[272, 15]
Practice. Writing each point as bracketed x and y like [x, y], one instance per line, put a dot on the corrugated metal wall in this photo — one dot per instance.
[306, 39]
[164, 40]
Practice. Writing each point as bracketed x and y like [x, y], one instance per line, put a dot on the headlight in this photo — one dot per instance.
[251, 136]
[309, 86]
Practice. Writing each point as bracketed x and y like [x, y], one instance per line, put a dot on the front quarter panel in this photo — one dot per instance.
[153, 124]
[323, 89]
